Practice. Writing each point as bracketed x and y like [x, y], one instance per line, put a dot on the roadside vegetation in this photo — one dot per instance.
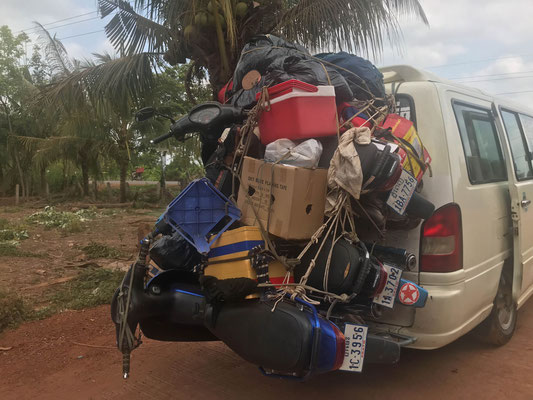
[91, 288]
[11, 236]
[98, 250]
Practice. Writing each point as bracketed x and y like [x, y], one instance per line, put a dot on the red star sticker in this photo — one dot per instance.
[409, 294]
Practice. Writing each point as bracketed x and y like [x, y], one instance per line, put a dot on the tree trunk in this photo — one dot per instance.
[1, 182]
[21, 175]
[64, 183]
[43, 181]
[84, 164]
[29, 185]
[123, 160]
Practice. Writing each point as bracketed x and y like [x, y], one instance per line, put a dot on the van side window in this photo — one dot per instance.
[484, 159]
[519, 148]
[527, 125]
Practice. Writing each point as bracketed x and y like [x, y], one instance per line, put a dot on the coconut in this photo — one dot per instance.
[189, 30]
[211, 6]
[200, 19]
[241, 9]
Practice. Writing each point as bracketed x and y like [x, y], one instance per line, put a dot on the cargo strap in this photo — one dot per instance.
[260, 263]
[407, 147]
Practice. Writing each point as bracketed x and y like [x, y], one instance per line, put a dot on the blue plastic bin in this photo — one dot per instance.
[197, 210]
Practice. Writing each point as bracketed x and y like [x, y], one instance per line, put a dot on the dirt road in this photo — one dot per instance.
[50, 359]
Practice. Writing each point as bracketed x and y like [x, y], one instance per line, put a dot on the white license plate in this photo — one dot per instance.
[354, 353]
[402, 192]
[388, 294]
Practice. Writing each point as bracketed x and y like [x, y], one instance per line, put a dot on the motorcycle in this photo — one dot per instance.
[289, 336]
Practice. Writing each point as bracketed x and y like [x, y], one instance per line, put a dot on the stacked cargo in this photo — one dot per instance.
[282, 239]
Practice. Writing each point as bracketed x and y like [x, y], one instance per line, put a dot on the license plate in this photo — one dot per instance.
[402, 192]
[388, 294]
[355, 346]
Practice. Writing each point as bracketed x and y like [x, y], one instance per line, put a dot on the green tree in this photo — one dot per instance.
[14, 89]
[72, 131]
[171, 97]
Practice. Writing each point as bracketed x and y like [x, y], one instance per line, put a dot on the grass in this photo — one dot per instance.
[98, 250]
[8, 249]
[13, 311]
[12, 209]
[66, 220]
[10, 237]
[15, 233]
[91, 288]
[4, 223]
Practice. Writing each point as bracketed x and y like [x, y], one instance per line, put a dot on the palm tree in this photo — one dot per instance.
[211, 33]
[95, 99]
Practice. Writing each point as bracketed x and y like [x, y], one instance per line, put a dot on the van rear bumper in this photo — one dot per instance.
[446, 317]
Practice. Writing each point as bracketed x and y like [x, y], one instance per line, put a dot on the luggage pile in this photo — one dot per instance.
[276, 252]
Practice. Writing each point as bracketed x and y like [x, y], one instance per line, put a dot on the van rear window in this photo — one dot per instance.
[483, 154]
[405, 107]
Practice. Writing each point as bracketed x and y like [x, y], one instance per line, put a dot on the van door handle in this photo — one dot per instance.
[525, 203]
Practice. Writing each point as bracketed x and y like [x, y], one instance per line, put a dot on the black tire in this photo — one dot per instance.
[500, 325]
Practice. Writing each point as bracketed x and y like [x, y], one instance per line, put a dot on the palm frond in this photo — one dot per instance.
[55, 53]
[130, 32]
[408, 7]
[115, 83]
[351, 25]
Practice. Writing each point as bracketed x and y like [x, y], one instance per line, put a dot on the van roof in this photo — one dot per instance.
[407, 73]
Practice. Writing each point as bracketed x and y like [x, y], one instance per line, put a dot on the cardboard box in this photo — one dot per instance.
[296, 202]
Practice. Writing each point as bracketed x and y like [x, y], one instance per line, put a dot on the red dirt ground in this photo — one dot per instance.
[47, 362]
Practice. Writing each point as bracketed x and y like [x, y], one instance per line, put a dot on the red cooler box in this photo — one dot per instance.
[298, 110]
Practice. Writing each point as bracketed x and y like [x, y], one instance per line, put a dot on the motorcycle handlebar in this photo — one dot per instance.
[188, 124]
[179, 127]
[161, 138]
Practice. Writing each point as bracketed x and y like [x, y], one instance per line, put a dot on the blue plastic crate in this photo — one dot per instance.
[197, 210]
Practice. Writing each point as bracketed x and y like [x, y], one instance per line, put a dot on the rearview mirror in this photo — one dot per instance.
[145, 113]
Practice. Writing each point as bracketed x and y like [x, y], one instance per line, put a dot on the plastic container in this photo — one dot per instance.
[403, 129]
[235, 244]
[297, 111]
[198, 209]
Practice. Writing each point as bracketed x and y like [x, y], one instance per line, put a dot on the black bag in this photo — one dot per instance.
[368, 78]
[279, 61]
[344, 268]
[174, 252]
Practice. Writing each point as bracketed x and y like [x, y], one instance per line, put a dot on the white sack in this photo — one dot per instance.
[306, 154]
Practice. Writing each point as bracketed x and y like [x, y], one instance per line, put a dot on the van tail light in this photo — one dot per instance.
[441, 244]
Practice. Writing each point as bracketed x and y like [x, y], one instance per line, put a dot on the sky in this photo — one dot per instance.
[485, 44]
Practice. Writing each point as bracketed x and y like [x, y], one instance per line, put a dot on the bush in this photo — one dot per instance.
[91, 288]
[11, 249]
[13, 311]
[69, 221]
[98, 250]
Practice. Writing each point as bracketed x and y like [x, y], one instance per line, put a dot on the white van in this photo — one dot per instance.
[475, 254]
